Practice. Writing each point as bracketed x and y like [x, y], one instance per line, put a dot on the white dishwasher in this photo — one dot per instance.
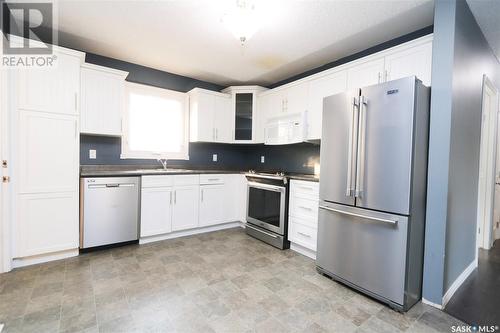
[109, 211]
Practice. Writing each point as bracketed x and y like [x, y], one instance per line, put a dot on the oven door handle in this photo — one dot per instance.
[267, 187]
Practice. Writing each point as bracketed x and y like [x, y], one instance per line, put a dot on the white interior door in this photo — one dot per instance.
[487, 161]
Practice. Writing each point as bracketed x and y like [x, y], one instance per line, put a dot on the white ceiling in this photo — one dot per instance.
[187, 37]
[487, 15]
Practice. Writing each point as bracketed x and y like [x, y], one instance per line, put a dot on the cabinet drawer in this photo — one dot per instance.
[157, 181]
[212, 179]
[304, 189]
[300, 207]
[180, 180]
[302, 234]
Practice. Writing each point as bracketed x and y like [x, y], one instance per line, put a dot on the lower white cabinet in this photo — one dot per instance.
[171, 203]
[48, 222]
[212, 204]
[185, 209]
[156, 211]
[303, 215]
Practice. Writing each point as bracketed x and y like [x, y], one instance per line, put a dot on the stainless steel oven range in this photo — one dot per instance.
[267, 208]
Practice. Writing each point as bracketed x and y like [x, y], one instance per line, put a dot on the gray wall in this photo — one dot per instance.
[461, 56]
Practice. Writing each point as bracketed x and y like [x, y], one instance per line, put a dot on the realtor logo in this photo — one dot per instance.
[28, 34]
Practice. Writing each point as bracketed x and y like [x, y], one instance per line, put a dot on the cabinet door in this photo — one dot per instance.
[48, 152]
[243, 116]
[223, 120]
[48, 222]
[365, 74]
[296, 98]
[186, 207]
[212, 204]
[102, 102]
[414, 61]
[53, 89]
[202, 111]
[156, 211]
[318, 89]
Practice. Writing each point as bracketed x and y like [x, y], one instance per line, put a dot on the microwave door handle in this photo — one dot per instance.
[351, 148]
[360, 167]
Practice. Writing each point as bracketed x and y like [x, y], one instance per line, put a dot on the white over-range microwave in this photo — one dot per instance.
[285, 129]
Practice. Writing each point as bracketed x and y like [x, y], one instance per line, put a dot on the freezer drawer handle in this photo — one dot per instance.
[359, 215]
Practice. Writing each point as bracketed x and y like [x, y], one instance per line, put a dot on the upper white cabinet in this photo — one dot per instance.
[365, 74]
[244, 112]
[54, 90]
[320, 88]
[307, 94]
[102, 100]
[210, 116]
[413, 61]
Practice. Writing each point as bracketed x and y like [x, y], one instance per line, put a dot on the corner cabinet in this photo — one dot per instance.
[103, 100]
[244, 113]
[210, 116]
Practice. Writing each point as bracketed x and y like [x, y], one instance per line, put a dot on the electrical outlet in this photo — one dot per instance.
[92, 154]
[214, 157]
[498, 224]
[262, 159]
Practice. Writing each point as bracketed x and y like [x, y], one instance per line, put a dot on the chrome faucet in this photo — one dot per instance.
[163, 162]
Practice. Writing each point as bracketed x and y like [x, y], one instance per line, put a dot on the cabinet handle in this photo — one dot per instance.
[216, 134]
[379, 77]
[170, 198]
[175, 197]
[76, 101]
[76, 129]
[303, 234]
[306, 188]
[306, 208]
[202, 195]
[387, 75]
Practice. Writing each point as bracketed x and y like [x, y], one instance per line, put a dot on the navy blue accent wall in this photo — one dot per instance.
[150, 76]
[364, 53]
[299, 158]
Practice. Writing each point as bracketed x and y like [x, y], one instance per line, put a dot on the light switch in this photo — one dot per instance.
[262, 159]
[214, 157]
[92, 154]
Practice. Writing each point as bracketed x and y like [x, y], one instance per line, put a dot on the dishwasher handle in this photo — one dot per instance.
[111, 185]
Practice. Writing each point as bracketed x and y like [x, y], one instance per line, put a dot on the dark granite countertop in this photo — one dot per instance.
[128, 170]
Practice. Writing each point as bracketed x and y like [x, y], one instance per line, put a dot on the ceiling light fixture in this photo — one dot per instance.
[242, 20]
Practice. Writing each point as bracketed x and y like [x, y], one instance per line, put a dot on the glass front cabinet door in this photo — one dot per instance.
[244, 100]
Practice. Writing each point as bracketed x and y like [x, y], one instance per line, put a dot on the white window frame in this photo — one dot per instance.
[159, 92]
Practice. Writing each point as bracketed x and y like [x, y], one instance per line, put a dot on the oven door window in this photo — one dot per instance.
[264, 205]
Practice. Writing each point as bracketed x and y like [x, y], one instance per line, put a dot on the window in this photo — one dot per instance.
[156, 123]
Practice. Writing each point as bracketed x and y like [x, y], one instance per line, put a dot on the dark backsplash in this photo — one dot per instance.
[297, 158]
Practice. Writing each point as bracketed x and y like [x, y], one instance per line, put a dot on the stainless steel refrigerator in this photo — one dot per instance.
[373, 173]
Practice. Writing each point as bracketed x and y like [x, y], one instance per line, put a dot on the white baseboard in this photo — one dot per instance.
[42, 258]
[437, 306]
[303, 250]
[458, 282]
[176, 234]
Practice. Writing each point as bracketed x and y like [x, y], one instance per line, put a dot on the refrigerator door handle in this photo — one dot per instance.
[360, 165]
[352, 142]
[379, 219]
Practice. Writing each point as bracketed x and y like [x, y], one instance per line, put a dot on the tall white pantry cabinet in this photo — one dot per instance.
[45, 108]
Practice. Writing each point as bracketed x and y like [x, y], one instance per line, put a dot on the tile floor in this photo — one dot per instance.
[217, 282]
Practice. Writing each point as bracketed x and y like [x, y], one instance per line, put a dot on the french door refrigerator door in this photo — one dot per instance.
[338, 147]
[385, 141]
[364, 249]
